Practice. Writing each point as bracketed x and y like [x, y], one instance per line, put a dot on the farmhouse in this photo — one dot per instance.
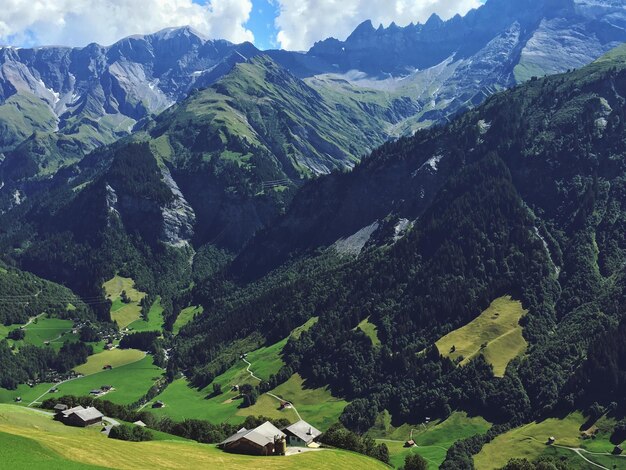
[301, 434]
[266, 439]
[79, 416]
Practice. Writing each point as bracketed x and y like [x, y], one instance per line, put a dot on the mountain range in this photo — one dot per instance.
[60, 103]
[386, 191]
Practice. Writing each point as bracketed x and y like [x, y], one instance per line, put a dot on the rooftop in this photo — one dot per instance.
[303, 431]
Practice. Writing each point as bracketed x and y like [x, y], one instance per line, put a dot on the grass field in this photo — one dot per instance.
[131, 382]
[155, 319]
[121, 313]
[185, 316]
[27, 393]
[114, 357]
[6, 329]
[48, 329]
[315, 405]
[529, 442]
[497, 327]
[36, 442]
[370, 330]
[434, 440]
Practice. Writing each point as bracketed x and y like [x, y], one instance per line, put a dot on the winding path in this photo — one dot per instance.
[276, 397]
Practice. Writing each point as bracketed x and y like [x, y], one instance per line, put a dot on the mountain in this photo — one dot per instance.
[60, 103]
[452, 65]
[201, 178]
[522, 196]
[86, 97]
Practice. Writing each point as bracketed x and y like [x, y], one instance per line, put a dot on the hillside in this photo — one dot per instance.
[207, 173]
[34, 440]
[521, 197]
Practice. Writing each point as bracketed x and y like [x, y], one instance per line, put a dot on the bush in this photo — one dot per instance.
[17, 335]
[415, 462]
[125, 432]
[338, 436]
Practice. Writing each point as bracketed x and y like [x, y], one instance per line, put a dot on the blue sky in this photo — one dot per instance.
[262, 24]
[290, 24]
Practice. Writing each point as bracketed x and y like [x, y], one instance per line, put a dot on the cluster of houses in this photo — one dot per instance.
[267, 439]
[264, 440]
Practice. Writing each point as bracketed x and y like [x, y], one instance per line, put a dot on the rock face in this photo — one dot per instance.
[456, 64]
[178, 216]
[97, 94]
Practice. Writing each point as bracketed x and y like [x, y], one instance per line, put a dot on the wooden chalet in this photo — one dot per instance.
[264, 440]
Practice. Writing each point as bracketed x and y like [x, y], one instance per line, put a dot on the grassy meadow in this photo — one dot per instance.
[32, 440]
[121, 313]
[131, 382]
[496, 334]
[154, 321]
[530, 442]
[370, 330]
[317, 406]
[185, 316]
[433, 440]
[114, 357]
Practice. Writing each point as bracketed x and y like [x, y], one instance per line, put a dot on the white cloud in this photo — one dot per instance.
[79, 22]
[302, 22]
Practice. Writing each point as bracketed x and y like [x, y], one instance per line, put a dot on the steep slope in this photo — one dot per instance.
[204, 175]
[452, 65]
[94, 95]
[523, 196]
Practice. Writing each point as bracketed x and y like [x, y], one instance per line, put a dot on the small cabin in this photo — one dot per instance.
[54, 390]
[551, 440]
[95, 391]
[158, 404]
[107, 367]
[301, 434]
[618, 450]
[18, 399]
[108, 346]
[409, 443]
[141, 424]
[106, 388]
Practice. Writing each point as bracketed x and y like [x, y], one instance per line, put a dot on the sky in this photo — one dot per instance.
[269, 24]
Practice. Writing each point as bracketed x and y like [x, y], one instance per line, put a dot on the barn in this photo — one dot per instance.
[80, 416]
[301, 434]
[264, 440]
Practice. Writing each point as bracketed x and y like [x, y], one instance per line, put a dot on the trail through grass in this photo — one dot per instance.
[530, 442]
[434, 440]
